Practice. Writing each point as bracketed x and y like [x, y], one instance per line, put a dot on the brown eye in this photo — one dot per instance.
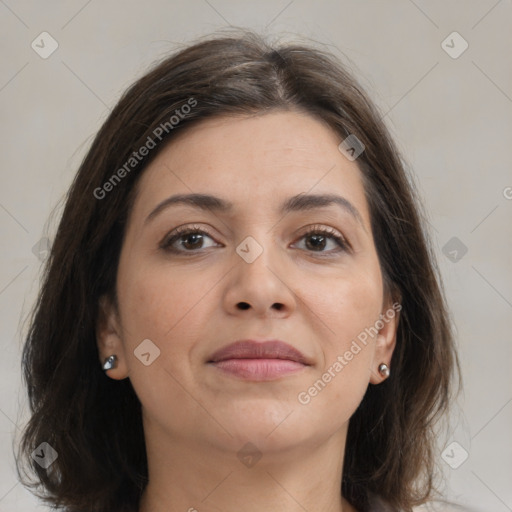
[317, 240]
[186, 240]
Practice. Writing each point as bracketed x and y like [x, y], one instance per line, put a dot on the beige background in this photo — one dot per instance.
[451, 117]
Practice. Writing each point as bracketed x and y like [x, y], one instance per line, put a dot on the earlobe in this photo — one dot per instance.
[109, 341]
[385, 344]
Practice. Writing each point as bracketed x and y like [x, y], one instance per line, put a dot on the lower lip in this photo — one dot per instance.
[259, 369]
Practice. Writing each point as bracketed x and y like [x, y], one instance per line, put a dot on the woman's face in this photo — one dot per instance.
[250, 272]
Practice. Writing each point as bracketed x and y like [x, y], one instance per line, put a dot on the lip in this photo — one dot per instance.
[259, 360]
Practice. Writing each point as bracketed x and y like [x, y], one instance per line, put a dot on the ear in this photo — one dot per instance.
[386, 339]
[109, 339]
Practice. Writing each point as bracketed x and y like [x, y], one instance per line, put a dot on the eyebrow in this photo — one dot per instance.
[300, 202]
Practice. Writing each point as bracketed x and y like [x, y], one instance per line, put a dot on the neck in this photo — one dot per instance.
[187, 476]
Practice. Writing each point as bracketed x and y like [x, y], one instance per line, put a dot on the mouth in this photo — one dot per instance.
[259, 360]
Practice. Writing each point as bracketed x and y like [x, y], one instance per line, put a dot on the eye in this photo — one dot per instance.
[318, 238]
[190, 238]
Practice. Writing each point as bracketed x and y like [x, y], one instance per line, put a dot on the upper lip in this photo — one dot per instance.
[252, 349]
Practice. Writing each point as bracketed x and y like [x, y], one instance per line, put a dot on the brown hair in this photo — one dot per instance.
[93, 422]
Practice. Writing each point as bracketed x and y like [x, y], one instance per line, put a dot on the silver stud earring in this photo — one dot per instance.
[110, 362]
[384, 370]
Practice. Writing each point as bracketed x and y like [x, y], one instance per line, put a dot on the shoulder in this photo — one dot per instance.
[446, 506]
[379, 505]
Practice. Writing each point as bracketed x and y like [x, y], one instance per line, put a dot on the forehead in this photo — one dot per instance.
[256, 161]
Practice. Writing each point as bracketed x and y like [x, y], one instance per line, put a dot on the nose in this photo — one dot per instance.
[262, 288]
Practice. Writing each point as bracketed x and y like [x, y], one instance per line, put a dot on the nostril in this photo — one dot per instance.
[243, 305]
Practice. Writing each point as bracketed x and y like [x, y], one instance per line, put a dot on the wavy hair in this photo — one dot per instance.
[93, 422]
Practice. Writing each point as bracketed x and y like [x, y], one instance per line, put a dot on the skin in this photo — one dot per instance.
[196, 418]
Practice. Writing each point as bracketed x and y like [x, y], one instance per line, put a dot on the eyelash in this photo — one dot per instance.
[180, 232]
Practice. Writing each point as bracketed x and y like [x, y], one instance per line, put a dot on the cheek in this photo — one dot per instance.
[331, 399]
[157, 302]
[347, 303]
[348, 306]
[166, 308]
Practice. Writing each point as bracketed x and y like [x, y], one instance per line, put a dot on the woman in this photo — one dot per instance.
[241, 308]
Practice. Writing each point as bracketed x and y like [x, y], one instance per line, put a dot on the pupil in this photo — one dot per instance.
[317, 238]
[191, 236]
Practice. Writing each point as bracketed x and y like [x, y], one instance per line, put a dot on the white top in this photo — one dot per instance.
[378, 505]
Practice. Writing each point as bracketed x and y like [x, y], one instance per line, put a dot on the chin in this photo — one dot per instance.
[270, 427]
